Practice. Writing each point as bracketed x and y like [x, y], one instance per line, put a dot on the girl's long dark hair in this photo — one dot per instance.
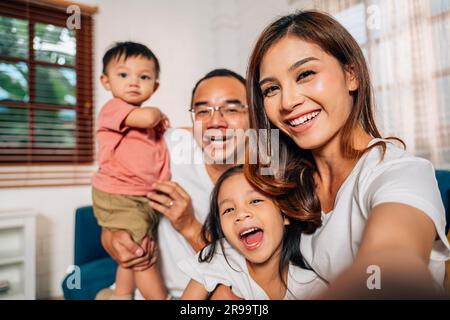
[213, 235]
[294, 190]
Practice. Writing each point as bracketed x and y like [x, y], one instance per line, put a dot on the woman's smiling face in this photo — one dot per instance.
[306, 92]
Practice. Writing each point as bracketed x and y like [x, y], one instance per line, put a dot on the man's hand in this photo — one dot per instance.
[174, 202]
[126, 252]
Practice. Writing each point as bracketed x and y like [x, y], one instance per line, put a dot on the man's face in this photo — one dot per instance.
[217, 139]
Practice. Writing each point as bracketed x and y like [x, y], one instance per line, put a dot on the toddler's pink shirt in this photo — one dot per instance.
[130, 159]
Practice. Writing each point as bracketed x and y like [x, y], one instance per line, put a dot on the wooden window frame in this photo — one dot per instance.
[47, 12]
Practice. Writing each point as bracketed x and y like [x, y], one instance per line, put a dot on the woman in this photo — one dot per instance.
[373, 213]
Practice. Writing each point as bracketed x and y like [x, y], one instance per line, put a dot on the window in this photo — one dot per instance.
[46, 96]
[45, 86]
[406, 45]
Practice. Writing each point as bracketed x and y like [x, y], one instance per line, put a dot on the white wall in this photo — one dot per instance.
[179, 34]
[190, 37]
[254, 17]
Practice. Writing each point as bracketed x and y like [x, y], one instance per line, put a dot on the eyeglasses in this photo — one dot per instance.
[229, 110]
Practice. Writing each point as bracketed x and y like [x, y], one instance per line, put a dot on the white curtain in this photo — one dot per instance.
[407, 45]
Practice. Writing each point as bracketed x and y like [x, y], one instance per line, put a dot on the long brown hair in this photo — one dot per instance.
[295, 191]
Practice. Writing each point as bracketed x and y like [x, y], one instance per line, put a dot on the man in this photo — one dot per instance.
[218, 108]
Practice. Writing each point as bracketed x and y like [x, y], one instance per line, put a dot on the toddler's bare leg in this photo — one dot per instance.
[125, 284]
[150, 284]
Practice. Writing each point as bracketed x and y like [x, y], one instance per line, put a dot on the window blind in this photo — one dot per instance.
[46, 94]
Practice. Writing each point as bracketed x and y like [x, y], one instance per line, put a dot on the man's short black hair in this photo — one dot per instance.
[218, 73]
[128, 50]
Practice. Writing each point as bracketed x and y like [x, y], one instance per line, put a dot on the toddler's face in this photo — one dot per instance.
[251, 222]
[132, 80]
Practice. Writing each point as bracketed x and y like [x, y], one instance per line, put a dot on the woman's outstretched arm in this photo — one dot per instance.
[392, 261]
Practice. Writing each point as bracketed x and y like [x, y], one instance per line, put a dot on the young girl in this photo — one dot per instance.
[253, 248]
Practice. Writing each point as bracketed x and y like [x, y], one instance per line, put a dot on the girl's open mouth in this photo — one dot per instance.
[252, 238]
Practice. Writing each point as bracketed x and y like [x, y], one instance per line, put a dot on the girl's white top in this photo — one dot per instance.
[231, 270]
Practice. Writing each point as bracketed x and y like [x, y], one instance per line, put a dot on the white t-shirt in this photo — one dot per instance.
[398, 178]
[188, 170]
[233, 272]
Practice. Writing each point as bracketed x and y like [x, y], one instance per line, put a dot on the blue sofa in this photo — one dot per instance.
[443, 178]
[97, 269]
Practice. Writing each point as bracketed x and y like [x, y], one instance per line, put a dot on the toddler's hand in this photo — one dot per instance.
[155, 116]
[162, 126]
